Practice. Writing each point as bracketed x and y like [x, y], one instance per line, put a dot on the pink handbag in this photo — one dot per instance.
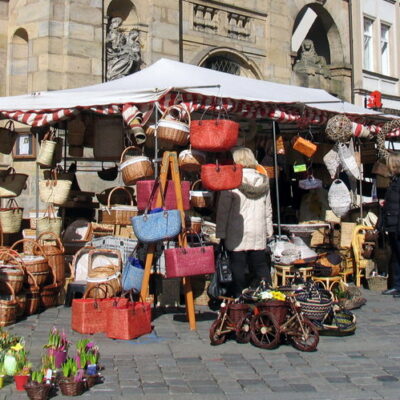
[143, 192]
[189, 261]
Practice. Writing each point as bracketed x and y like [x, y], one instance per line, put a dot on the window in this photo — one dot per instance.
[385, 56]
[368, 50]
[223, 64]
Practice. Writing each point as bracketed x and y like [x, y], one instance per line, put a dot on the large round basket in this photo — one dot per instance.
[14, 275]
[55, 255]
[49, 295]
[8, 308]
[191, 160]
[172, 128]
[316, 306]
[136, 167]
[36, 391]
[278, 308]
[339, 128]
[201, 198]
[71, 388]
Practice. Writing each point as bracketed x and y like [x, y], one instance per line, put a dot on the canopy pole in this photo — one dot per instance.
[155, 143]
[278, 211]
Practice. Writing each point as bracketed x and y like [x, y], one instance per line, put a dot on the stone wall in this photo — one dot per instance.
[3, 45]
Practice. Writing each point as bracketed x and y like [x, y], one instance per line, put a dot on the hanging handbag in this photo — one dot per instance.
[49, 222]
[304, 146]
[310, 183]
[11, 217]
[332, 162]
[348, 161]
[152, 227]
[136, 167]
[339, 198]
[54, 191]
[7, 138]
[189, 261]
[128, 321]
[223, 269]
[173, 126]
[47, 149]
[214, 134]
[132, 273]
[221, 177]
[12, 183]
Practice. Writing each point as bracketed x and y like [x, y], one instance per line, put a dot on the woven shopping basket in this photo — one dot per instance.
[8, 308]
[11, 217]
[118, 214]
[54, 191]
[7, 138]
[201, 198]
[71, 388]
[377, 283]
[173, 126]
[12, 272]
[315, 304]
[12, 183]
[191, 160]
[135, 167]
[47, 150]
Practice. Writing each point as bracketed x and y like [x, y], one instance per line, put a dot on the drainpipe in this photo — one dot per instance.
[351, 49]
[180, 30]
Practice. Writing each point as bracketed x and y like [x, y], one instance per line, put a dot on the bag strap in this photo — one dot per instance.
[129, 148]
[11, 203]
[10, 126]
[119, 188]
[153, 192]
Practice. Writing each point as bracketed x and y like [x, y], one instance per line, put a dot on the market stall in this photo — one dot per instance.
[303, 138]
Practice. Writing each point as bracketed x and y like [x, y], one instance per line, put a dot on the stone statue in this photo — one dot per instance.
[310, 62]
[122, 50]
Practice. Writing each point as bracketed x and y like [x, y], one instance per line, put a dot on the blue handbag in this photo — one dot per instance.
[132, 274]
[162, 225]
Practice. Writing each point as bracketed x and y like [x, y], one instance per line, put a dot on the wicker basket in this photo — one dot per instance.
[11, 274]
[237, 311]
[11, 217]
[55, 255]
[54, 191]
[71, 388]
[172, 128]
[201, 198]
[8, 308]
[118, 214]
[38, 391]
[47, 150]
[315, 305]
[7, 138]
[339, 128]
[32, 300]
[49, 295]
[12, 183]
[191, 160]
[377, 283]
[136, 167]
[151, 141]
[21, 304]
[278, 308]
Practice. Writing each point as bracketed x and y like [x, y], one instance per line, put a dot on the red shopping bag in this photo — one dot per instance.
[221, 177]
[128, 321]
[90, 315]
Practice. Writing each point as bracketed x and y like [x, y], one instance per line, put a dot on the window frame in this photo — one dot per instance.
[370, 34]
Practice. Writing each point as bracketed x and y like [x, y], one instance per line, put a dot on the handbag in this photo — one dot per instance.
[339, 198]
[223, 269]
[332, 162]
[7, 138]
[216, 289]
[54, 191]
[47, 149]
[348, 161]
[161, 225]
[49, 222]
[310, 183]
[221, 177]
[128, 321]
[304, 146]
[11, 217]
[12, 183]
[189, 261]
[132, 274]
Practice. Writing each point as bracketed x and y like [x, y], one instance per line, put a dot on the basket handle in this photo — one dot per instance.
[76, 258]
[181, 108]
[12, 202]
[195, 183]
[10, 126]
[27, 240]
[129, 148]
[86, 294]
[117, 268]
[56, 237]
[119, 188]
[12, 291]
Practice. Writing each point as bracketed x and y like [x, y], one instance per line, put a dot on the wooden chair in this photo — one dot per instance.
[283, 274]
[360, 263]
[328, 282]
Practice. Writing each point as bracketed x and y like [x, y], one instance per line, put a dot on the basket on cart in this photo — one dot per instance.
[278, 308]
[237, 311]
[314, 304]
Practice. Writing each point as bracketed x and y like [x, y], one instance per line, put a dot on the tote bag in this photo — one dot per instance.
[221, 177]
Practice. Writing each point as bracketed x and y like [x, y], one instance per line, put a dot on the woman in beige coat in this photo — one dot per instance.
[244, 222]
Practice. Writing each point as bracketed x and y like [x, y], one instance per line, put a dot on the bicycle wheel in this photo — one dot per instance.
[216, 337]
[243, 329]
[264, 331]
[307, 341]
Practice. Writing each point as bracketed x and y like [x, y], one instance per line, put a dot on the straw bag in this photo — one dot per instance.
[11, 217]
[134, 168]
[76, 132]
[12, 183]
[47, 149]
[221, 177]
[55, 255]
[191, 160]
[7, 138]
[214, 134]
[8, 308]
[49, 222]
[54, 191]
[201, 198]
[173, 126]
[339, 198]
[13, 274]
[105, 276]
[310, 183]
[339, 128]
[118, 214]
[61, 174]
[304, 146]
[108, 138]
[348, 161]
[332, 162]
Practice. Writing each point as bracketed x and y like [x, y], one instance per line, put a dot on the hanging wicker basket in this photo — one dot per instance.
[172, 126]
[201, 198]
[136, 167]
[47, 150]
[54, 191]
[191, 160]
[339, 128]
[11, 217]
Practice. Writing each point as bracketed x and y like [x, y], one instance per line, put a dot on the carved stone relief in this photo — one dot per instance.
[123, 50]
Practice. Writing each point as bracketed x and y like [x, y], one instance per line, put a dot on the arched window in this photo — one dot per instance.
[223, 64]
[19, 63]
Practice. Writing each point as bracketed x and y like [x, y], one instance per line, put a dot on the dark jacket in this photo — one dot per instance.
[391, 208]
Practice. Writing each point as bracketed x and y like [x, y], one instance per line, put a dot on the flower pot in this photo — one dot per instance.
[70, 388]
[59, 356]
[1, 381]
[91, 369]
[21, 381]
[38, 391]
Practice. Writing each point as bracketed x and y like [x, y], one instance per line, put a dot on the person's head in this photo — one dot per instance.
[393, 163]
[244, 156]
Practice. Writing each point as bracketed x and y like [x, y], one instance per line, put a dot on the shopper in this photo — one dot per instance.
[244, 222]
[391, 222]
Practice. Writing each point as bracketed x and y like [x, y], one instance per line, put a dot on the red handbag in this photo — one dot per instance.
[90, 315]
[213, 134]
[129, 321]
[144, 189]
[221, 177]
[189, 261]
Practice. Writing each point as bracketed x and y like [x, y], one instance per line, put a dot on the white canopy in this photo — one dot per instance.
[153, 83]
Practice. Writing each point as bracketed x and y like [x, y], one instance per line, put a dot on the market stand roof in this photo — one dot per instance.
[164, 80]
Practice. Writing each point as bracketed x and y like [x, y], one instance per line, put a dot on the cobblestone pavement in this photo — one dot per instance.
[176, 363]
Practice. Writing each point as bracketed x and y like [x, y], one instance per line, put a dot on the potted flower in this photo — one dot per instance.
[37, 388]
[87, 358]
[22, 366]
[2, 374]
[57, 346]
[72, 380]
